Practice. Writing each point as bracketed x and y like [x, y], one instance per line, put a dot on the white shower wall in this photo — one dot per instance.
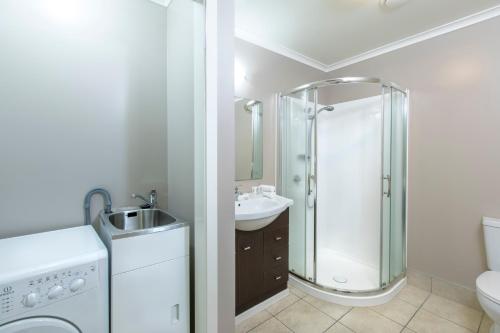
[348, 188]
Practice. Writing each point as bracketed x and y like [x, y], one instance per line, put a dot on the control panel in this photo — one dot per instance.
[43, 289]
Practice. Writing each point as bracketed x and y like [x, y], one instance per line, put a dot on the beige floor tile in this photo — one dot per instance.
[302, 317]
[335, 311]
[426, 322]
[363, 320]
[486, 324]
[253, 322]
[282, 304]
[339, 328]
[296, 291]
[407, 330]
[397, 310]
[271, 326]
[455, 312]
[413, 295]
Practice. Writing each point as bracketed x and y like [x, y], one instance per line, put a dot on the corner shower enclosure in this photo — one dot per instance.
[343, 160]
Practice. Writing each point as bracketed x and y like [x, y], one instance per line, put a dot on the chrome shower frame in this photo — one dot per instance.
[314, 86]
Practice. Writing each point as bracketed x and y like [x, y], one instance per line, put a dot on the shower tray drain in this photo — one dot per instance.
[340, 279]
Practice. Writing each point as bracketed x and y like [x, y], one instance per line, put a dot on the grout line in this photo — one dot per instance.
[317, 308]
[452, 322]
[334, 322]
[481, 322]
[381, 314]
[449, 320]
[283, 323]
[265, 321]
[435, 314]
[253, 327]
[405, 301]
[277, 313]
[418, 309]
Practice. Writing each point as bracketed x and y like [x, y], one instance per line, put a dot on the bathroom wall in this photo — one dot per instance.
[82, 104]
[454, 155]
[267, 74]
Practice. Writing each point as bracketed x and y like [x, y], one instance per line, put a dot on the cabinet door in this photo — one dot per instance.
[153, 299]
[249, 266]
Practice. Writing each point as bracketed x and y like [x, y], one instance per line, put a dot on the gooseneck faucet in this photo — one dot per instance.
[153, 199]
[86, 202]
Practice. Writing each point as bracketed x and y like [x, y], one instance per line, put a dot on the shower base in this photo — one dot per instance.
[349, 299]
[342, 273]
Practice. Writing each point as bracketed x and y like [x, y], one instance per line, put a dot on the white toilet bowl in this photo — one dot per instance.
[488, 294]
[488, 283]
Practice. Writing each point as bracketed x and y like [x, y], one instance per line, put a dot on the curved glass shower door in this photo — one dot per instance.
[394, 195]
[344, 165]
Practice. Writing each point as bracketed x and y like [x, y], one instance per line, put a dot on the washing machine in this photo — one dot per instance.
[54, 282]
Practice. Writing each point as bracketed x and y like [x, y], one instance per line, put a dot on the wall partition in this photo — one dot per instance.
[343, 162]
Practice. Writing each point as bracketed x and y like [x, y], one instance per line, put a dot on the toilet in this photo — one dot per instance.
[488, 283]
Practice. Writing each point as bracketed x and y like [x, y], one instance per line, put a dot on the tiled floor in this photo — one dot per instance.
[412, 311]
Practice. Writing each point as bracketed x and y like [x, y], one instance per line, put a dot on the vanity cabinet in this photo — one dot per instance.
[261, 263]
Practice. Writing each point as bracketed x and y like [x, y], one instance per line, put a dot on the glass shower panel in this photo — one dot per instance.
[398, 184]
[385, 178]
[394, 182]
[294, 168]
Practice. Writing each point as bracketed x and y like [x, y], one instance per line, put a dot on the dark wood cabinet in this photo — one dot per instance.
[261, 263]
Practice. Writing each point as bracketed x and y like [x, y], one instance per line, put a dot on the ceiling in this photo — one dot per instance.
[329, 34]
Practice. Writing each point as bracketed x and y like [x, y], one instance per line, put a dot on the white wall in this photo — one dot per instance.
[180, 99]
[82, 104]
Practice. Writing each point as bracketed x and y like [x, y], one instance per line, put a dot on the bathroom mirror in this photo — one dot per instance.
[248, 122]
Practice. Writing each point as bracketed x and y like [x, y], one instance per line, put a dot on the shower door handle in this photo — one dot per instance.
[312, 179]
[389, 183]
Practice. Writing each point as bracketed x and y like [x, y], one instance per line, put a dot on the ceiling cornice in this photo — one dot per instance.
[280, 49]
[417, 38]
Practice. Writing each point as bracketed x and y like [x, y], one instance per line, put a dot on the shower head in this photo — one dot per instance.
[324, 108]
[328, 108]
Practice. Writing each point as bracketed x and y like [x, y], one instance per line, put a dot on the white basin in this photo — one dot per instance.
[258, 211]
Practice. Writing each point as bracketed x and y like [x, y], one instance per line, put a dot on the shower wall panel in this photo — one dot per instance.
[349, 184]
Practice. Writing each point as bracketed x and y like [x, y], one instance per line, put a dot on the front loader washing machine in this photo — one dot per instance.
[54, 282]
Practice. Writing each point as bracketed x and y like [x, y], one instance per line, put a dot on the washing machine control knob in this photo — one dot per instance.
[55, 292]
[30, 300]
[77, 284]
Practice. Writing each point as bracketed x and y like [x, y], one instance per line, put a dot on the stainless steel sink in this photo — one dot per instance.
[131, 222]
[140, 219]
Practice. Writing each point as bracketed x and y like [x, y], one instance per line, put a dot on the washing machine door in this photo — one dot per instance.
[39, 325]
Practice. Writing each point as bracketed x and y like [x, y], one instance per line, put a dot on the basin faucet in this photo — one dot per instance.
[151, 203]
[237, 193]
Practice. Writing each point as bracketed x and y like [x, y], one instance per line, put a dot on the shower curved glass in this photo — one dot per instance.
[343, 160]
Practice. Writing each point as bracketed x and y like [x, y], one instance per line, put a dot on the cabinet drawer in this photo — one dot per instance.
[276, 277]
[249, 242]
[275, 237]
[276, 256]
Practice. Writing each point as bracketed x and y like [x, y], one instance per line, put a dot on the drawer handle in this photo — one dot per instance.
[278, 258]
[278, 238]
[246, 248]
[277, 277]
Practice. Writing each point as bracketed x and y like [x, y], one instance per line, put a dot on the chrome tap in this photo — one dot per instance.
[237, 193]
[151, 203]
